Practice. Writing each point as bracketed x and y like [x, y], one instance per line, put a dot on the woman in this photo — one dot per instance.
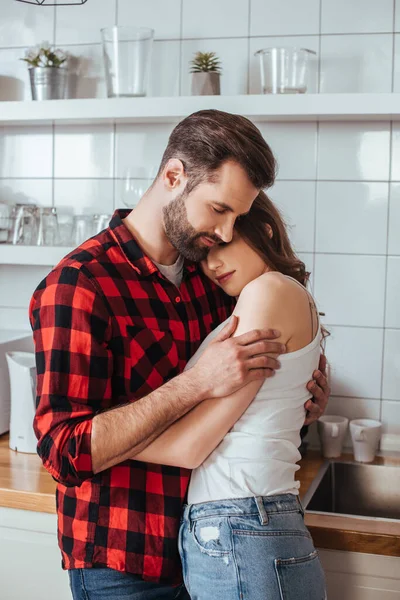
[242, 533]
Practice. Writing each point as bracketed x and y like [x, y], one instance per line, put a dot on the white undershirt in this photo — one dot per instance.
[172, 272]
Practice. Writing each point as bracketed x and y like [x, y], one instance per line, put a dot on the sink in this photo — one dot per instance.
[355, 489]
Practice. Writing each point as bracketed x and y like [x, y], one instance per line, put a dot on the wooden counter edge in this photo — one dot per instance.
[22, 500]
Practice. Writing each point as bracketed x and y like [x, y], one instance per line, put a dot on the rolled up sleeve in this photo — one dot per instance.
[70, 324]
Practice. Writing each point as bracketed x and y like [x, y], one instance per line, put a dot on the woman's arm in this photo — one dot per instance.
[188, 441]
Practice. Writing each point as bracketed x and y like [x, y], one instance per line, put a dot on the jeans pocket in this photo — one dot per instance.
[301, 577]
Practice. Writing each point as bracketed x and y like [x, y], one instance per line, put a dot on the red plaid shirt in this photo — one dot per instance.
[109, 328]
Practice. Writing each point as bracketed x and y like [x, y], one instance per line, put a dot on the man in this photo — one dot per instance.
[114, 325]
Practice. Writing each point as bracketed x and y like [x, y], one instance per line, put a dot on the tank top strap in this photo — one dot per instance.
[311, 303]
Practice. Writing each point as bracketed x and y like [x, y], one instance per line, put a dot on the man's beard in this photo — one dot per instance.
[180, 232]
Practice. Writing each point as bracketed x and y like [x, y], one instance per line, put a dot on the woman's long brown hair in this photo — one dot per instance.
[265, 230]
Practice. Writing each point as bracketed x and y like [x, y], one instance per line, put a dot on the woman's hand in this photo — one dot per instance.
[320, 390]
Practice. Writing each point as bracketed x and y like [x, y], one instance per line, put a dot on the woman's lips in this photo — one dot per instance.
[223, 278]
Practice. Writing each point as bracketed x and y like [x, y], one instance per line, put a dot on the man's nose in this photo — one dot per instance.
[225, 231]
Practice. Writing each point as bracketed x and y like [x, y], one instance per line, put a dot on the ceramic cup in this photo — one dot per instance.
[365, 435]
[332, 430]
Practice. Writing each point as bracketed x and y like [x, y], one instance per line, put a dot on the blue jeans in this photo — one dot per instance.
[108, 584]
[249, 549]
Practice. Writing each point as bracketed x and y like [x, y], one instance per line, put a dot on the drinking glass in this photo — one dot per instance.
[284, 70]
[127, 55]
[82, 229]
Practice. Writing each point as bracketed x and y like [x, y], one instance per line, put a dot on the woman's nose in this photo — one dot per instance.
[213, 260]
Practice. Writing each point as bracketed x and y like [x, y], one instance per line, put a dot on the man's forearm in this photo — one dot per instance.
[120, 433]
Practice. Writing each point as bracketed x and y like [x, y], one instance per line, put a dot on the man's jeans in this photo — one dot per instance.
[253, 548]
[108, 584]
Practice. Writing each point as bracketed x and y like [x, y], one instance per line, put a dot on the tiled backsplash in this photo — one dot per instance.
[338, 183]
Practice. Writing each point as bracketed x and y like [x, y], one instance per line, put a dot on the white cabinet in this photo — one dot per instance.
[359, 576]
[30, 560]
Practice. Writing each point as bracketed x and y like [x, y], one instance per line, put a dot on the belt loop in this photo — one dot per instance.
[300, 505]
[262, 513]
[188, 509]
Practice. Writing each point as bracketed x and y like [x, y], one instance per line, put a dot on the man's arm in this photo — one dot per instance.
[77, 437]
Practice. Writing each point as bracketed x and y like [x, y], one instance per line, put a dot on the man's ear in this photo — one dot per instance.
[174, 173]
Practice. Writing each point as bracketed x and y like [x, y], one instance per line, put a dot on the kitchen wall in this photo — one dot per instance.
[338, 183]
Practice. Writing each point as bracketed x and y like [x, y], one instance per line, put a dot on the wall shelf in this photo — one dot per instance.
[294, 107]
[32, 255]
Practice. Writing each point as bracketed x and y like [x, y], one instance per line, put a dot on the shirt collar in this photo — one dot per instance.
[134, 254]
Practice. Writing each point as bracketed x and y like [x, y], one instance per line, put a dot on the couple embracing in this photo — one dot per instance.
[179, 355]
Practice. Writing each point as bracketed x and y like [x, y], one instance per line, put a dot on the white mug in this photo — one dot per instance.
[332, 430]
[365, 435]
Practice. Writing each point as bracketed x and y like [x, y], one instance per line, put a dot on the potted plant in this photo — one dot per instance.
[47, 73]
[206, 72]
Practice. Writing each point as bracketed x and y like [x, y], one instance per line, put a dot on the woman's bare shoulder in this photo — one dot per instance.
[268, 301]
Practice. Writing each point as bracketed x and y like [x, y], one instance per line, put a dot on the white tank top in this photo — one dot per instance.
[258, 456]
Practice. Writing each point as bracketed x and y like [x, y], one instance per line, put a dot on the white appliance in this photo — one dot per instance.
[10, 341]
[22, 369]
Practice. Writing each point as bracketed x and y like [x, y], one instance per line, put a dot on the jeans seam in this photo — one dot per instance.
[83, 586]
[237, 570]
[271, 533]
[252, 514]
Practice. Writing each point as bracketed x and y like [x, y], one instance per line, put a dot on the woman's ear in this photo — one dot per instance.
[269, 231]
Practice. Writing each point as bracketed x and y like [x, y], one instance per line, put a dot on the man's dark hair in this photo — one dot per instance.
[204, 140]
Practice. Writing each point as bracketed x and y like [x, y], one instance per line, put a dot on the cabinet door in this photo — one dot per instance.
[30, 560]
[360, 576]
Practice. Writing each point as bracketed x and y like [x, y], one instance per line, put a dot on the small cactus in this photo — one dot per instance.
[205, 62]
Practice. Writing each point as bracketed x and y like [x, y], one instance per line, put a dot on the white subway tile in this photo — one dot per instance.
[163, 17]
[83, 151]
[352, 217]
[355, 356]
[32, 191]
[390, 417]
[18, 282]
[350, 289]
[309, 42]
[296, 200]
[84, 196]
[233, 55]
[393, 292]
[15, 318]
[86, 77]
[395, 167]
[356, 63]
[82, 24]
[14, 75]
[357, 16]
[139, 148]
[394, 219]
[353, 408]
[274, 17]
[26, 151]
[208, 19]
[396, 74]
[391, 365]
[25, 24]
[397, 16]
[354, 151]
[164, 77]
[295, 147]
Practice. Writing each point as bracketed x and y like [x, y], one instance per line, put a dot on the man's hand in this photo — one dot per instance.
[320, 390]
[229, 363]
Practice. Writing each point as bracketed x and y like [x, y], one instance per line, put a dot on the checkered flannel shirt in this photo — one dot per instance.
[109, 328]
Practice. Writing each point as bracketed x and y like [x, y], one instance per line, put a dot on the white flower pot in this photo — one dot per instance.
[206, 84]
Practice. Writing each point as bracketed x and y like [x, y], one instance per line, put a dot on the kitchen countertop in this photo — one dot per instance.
[26, 485]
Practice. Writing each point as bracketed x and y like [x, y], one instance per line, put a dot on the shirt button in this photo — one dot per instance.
[177, 299]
